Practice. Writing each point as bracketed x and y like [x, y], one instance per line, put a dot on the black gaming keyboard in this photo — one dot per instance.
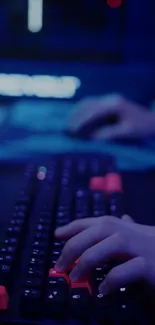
[31, 290]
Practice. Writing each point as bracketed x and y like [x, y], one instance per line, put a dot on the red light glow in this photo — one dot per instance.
[114, 3]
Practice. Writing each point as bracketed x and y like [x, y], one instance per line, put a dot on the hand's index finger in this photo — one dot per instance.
[75, 227]
[112, 248]
[78, 244]
[90, 109]
[85, 233]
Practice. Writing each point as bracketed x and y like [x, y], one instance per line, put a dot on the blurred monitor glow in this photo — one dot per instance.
[42, 86]
[42, 169]
[35, 15]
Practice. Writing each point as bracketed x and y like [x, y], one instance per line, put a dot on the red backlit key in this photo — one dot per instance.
[114, 3]
[4, 299]
[81, 285]
[115, 194]
[97, 183]
[54, 273]
[113, 183]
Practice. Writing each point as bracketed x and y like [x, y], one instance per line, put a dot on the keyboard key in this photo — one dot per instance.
[113, 183]
[38, 252]
[63, 222]
[55, 282]
[4, 298]
[11, 241]
[35, 272]
[14, 231]
[6, 259]
[16, 222]
[31, 302]
[99, 280]
[99, 204]
[53, 262]
[82, 204]
[59, 244]
[39, 244]
[54, 273]
[81, 285]
[82, 167]
[81, 193]
[20, 214]
[56, 253]
[37, 262]
[62, 208]
[73, 265]
[5, 274]
[42, 228]
[115, 203]
[7, 250]
[105, 308]
[62, 214]
[45, 217]
[45, 220]
[129, 311]
[33, 283]
[97, 183]
[99, 198]
[23, 198]
[41, 236]
[56, 301]
[80, 303]
[57, 294]
[82, 214]
[96, 167]
[20, 208]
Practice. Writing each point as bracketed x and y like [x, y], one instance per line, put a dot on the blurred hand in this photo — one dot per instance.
[98, 241]
[134, 121]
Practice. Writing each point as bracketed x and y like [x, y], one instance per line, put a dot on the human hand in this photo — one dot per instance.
[98, 241]
[134, 121]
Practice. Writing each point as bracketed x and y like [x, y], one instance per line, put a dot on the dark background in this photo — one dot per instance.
[83, 30]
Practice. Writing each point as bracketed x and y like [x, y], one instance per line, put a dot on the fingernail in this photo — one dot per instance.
[103, 289]
[60, 264]
[58, 232]
[58, 229]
